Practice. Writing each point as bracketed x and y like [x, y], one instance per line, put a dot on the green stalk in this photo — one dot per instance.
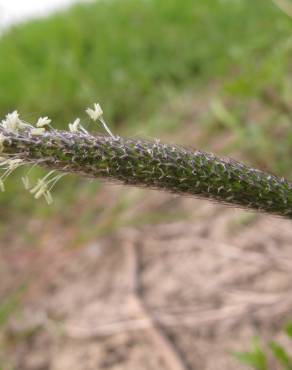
[153, 165]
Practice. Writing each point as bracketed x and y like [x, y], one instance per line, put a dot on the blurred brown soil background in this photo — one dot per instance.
[176, 295]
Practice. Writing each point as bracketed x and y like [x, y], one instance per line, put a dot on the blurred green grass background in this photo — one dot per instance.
[137, 57]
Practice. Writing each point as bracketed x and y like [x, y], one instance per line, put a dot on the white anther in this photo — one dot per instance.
[37, 131]
[96, 113]
[43, 122]
[12, 123]
[44, 186]
[2, 140]
[74, 127]
[41, 191]
[26, 182]
[77, 127]
[48, 197]
[14, 163]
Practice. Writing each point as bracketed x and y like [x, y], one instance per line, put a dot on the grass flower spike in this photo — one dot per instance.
[151, 164]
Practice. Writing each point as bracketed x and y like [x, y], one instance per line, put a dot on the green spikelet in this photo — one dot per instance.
[153, 165]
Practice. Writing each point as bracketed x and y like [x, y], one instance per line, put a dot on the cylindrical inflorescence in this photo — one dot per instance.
[153, 164]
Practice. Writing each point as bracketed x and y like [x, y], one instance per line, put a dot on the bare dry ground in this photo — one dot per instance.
[179, 295]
